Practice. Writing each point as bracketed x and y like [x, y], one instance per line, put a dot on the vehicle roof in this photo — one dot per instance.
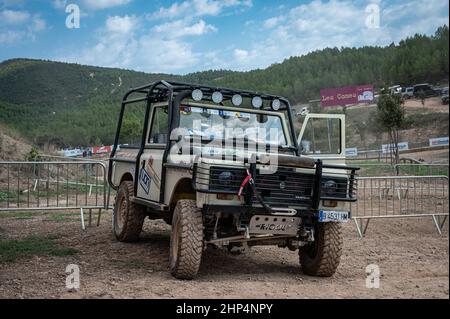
[176, 87]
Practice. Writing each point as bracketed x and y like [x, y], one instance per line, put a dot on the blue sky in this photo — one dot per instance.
[194, 35]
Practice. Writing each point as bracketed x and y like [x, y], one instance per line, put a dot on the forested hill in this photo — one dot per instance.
[72, 105]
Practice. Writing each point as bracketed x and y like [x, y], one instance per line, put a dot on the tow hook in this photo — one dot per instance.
[307, 234]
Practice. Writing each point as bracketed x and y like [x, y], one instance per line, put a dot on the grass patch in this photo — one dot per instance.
[10, 197]
[374, 168]
[417, 170]
[63, 218]
[22, 215]
[12, 250]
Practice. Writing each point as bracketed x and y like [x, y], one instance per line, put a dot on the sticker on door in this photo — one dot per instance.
[144, 180]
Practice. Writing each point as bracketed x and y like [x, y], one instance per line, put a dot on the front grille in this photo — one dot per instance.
[285, 187]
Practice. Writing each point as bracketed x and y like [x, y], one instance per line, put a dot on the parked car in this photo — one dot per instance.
[444, 96]
[395, 89]
[424, 89]
[407, 92]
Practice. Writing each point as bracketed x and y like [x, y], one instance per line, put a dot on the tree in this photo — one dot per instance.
[361, 128]
[33, 155]
[422, 97]
[391, 116]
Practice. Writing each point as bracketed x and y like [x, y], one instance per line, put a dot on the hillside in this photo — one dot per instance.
[422, 123]
[71, 105]
[12, 146]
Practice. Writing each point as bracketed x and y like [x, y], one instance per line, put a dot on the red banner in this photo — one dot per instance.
[101, 149]
[347, 95]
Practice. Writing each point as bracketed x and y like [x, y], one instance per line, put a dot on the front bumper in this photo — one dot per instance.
[302, 189]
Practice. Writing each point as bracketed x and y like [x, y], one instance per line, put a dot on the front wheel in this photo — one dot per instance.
[186, 240]
[128, 217]
[322, 257]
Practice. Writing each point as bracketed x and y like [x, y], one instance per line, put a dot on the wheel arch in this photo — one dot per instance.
[126, 177]
[182, 190]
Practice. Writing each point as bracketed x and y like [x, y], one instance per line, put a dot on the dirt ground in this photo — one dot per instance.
[412, 258]
[433, 104]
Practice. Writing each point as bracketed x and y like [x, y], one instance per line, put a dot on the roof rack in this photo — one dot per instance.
[158, 91]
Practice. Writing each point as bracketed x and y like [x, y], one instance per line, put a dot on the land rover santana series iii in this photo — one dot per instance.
[225, 168]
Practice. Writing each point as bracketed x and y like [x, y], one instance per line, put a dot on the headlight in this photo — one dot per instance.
[330, 187]
[225, 178]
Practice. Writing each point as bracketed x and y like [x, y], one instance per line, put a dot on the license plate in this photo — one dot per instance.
[333, 216]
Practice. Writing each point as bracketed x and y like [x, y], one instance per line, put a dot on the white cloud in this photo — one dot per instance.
[11, 3]
[104, 4]
[182, 28]
[118, 25]
[197, 8]
[164, 55]
[10, 37]
[37, 24]
[240, 54]
[16, 26]
[12, 17]
[124, 42]
[59, 4]
[271, 22]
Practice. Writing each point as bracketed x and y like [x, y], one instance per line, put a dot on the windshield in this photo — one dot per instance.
[213, 124]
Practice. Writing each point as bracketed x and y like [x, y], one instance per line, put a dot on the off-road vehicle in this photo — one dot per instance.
[174, 158]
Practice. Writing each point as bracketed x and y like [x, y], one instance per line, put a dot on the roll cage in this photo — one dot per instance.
[174, 93]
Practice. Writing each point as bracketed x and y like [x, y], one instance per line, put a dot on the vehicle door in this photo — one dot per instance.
[322, 136]
[150, 166]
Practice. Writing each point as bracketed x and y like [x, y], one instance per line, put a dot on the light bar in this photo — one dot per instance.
[217, 97]
[236, 100]
[197, 95]
[257, 102]
[276, 104]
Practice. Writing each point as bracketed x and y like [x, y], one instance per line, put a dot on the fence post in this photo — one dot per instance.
[82, 219]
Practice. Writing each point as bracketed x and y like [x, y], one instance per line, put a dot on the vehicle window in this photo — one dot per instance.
[159, 126]
[218, 124]
[322, 136]
[132, 125]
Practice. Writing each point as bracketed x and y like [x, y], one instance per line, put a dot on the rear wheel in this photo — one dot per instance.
[128, 217]
[322, 257]
[186, 240]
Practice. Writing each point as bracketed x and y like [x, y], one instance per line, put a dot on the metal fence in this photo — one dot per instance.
[70, 185]
[380, 156]
[401, 197]
[385, 169]
[54, 185]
